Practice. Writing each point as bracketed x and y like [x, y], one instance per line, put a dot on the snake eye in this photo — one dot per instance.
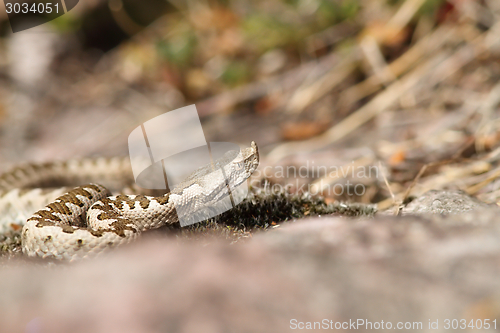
[240, 165]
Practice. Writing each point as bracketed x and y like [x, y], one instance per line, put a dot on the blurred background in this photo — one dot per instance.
[408, 87]
[381, 99]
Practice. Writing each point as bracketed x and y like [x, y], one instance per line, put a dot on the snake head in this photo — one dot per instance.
[242, 166]
[249, 159]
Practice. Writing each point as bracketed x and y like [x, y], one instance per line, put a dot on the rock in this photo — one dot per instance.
[329, 270]
[443, 202]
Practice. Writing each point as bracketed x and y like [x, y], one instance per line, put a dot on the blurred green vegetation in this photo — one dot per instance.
[67, 23]
[178, 50]
[262, 26]
[188, 35]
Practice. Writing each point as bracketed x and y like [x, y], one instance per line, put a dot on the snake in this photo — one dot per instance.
[74, 223]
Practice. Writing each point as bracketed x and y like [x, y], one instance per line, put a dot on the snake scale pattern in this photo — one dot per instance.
[65, 223]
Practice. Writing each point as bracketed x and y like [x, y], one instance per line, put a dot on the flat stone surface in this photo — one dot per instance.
[443, 202]
[397, 269]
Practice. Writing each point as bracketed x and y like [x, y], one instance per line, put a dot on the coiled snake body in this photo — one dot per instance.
[88, 219]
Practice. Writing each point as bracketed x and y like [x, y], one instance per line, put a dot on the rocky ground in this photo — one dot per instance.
[421, 267]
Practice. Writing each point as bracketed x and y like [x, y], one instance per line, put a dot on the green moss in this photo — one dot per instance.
[264, 209]
[10, 244]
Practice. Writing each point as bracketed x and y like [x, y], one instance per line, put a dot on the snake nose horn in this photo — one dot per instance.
[254, 147]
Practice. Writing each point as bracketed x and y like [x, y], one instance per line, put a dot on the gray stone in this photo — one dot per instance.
[391, 269]
[443, 202]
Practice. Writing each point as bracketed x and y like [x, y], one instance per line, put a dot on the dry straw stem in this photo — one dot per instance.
[331, 178]
[397, 204]
[396, 200]
[457, 175]
[401, 197]
[405, 14]
[282, 83]
[487, 124]
[491, 177]
[377, 105]
[418, 52]
[305, 96]
[465, 173]
[375, 58]
[482, 180]
[314, 71]
[433, 71]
